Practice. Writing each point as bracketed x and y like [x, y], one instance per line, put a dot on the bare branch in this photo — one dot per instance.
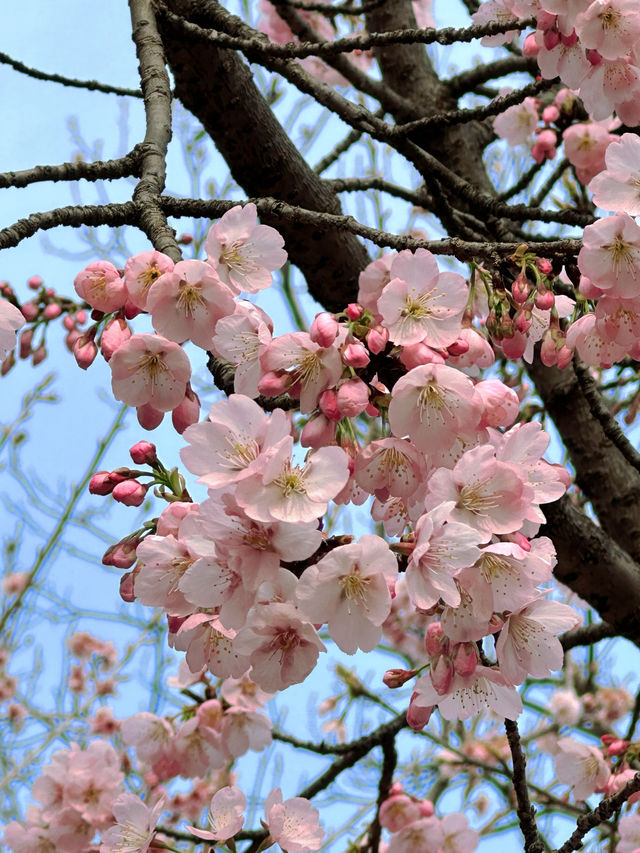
[97, 171]
[92, 85]
[526, 812]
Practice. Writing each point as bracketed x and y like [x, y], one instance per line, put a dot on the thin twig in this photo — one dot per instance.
[526, 812]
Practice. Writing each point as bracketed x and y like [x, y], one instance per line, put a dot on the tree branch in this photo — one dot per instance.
[526, 812]
[97, 171]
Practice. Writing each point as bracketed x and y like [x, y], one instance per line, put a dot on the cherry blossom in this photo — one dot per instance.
[486, 689]
[135, 828]
[286, 492]
[148, 369]
[618, 187]
[100, 285]
[420, 303]
[349, 590]
[140, 272]
[516, 124]
[240, 339]
[11, 319]
[281, 646]
[580, 766]
[243, 253]
[610, 255]
[186, 303]
[226, 815]
[526, 645]
[293, 824]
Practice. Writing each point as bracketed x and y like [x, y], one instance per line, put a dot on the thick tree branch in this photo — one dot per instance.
[157, 106]
[98, 171]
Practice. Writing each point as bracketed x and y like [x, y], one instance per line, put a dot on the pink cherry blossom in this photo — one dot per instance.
[494, 11]
[227, 447]
[293, 824]
[390, 466]
[208, 644]
[398, 811]
[420, 303]
[442, 549]
[518, 123]
[425, 835]
[243, 253]
[629, 829]
[148, 369]
[618, 187]
[311, 368]
[610, 255]
[149, 734]
[373, 279]
[240, 339]
[581, 766]
[100, 285]
[11, 319]
[611, 27]
[459, 837]
[140, 272]
[281, 646]
[527, 645]
[135, 828]
[486, 689]
[488, 494]
[186, 303]
[349, 590]
[593, 348]
[226, 815]
[432, 405]
[287, 492]
[585, 146]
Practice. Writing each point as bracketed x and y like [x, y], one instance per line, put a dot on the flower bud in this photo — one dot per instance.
[34, 283]
[328, 404]
[544, 300]
[115, 333]
[397, 677]
[377, 339]
[353, 397]
[318, 432]
[354, 311]
[324, 329]
[39, 355]
[442, 673]
[435, 641]
[148, 417]
[52, 311]
[355, 355]
[26, 337]
[85, 351]
[187, 413]
[30, 311]
[129, 492]
[465, 658]
[271, 383]
[127, 591]
[417, 716]
[122, 555]
[143, 453]
[530, 46]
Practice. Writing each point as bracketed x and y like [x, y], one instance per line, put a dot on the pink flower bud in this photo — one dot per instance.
[115, 333]
[129, 492]
[69, 323]
[30, 311]
[81, 316]
[148, 417]
[397, 677]
[39, 355]
[426, 808]
[564, 357]
[530, 46]
[465, 658]
[353, 397]
[324, 329]
[131, 310]
[143, 453]
[545, 146]
[514, 346]
[185, 239]
[271, 383]
[127, 591]
[34, 283]
[71, 338]
[550, 114]
[355, 355]
[459, 347]
[85, 351]
[122, 555]
[187, 413]
[52, 311]
[26, 337]
[102, 482]
[377, 339]
[354, 311]
[435, 640]
[318, 432]
[442, 673]
[522, 322]
[328, 404]
[548, 351]
[417, 716]
[520, 289]
[8, 363]
[594, 57]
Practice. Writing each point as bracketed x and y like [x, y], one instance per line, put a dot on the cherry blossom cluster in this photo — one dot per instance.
[247, 577]
[591, 46]
[588, 769]
[543, 127]
[413, 826]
